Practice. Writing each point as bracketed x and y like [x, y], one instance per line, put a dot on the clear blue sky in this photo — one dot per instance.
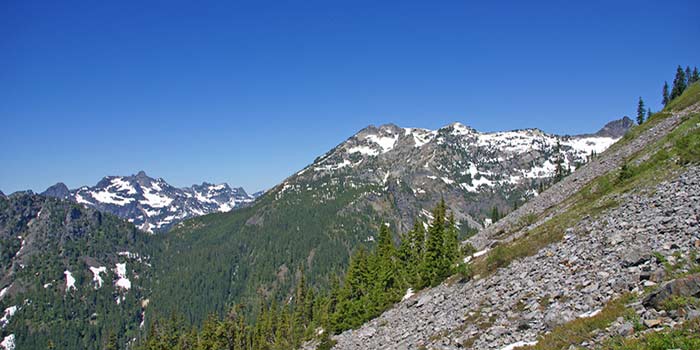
[249, 92]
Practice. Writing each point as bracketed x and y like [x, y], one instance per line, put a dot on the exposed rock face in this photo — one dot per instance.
[151, 204]
[568, 279]
[616, 128]
[59, 190]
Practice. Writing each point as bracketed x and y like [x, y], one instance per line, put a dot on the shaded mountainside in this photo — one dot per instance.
[608, 258]
[69, 276]
[151, 204]
[317, 217]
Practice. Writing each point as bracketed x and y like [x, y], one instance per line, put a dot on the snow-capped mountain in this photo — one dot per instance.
[472, 170]
[151, 204]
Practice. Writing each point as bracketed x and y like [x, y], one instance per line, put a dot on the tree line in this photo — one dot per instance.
[683, 79]
[426, 255]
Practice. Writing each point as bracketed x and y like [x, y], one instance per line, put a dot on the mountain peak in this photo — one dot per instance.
[142, 174]
[59, 190]
[616, 128]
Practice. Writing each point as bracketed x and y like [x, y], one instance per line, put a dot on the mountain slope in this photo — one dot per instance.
[152, 204]
[579, 261]
[69, 275]
[317, 217]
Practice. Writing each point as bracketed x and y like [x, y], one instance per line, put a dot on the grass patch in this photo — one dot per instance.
[686, 337]
[690, 96]
[579, 330]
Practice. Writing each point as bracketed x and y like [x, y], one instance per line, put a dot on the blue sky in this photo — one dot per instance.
[249, 92]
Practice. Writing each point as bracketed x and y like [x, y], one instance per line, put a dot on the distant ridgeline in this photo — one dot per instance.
[151, 204]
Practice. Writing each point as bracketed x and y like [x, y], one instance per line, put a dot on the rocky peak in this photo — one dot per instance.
[153, 204]
[59, 190]
[616, 128]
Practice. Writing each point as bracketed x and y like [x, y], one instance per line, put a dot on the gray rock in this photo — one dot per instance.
[687, 286]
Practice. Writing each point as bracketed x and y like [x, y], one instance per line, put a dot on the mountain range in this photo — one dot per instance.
[316, 218]
[151, 204]
[67, 246]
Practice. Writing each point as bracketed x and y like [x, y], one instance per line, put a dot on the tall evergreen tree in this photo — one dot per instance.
[688, 75]
[665, 95]
[648, 113]
[694, 76]
[679, 83]
[640, 111]
[432, 267]
[495, 215]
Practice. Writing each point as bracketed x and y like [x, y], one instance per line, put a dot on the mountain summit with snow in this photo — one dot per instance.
[151, 204]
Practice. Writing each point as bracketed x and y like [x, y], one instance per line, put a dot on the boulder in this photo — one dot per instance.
[686, 287]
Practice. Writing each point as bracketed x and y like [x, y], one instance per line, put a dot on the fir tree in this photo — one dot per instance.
[664, 94]
[648, 113]
[694, 76]
[495, 215]
[679, 83]
[688, 75]
[432, 268]
[640, 111]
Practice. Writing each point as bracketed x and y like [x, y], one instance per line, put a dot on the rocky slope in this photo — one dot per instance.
[151, 204]
[69, 274]
[598, 260]
[604, 233]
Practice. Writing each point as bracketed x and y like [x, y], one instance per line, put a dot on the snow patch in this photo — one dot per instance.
[3, 292]
[96, 275]
[385, 142]
[8, 343]
[590, 313]
[154, 199]
[363, 150]
[9, 312]
[122, 281]
[105, 196]
[409, 293]
[519, 344]
[590, 144]
[70, 281]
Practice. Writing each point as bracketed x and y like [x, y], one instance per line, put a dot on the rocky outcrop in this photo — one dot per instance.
[598, 260]
[682, 287]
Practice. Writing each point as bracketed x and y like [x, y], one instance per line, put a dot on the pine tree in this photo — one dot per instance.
[451, 241]
[495, 215]
[688, 75]
[559, 171]
[664, 94]
[679, 83]
[694, 77]
[648, 113]
[640, 111]
[432, 269]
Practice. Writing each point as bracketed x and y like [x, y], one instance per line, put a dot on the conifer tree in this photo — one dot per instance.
[679, 83]
[664, 94]
[495, 215]
[640, 111]
[433, 268]
[451, 241]
[648, 113]
[694, 76]
[688, 75]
